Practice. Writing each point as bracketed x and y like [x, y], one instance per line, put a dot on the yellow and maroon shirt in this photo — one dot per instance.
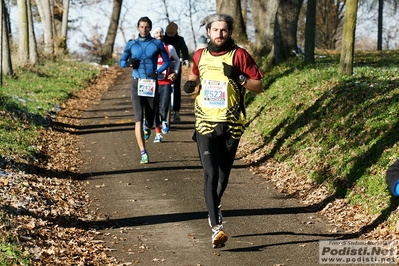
[221, 100]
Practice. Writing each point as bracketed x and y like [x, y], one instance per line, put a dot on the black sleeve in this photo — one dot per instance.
[184, 49]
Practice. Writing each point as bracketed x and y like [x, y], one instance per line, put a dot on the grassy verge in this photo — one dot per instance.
[27, 101]
[339, 131]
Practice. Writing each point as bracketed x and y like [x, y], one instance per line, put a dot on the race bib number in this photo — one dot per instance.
[214, 93]
[146, 87]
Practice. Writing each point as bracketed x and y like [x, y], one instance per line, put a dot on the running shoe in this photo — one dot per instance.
[158, 138]
[218, 236]
[220, 217]
[165, 127]
[147, 132]
[176, 116]
[144, 158]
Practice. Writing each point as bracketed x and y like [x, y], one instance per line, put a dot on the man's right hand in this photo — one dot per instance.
[133, 62]
[230, 72]
[189, 86]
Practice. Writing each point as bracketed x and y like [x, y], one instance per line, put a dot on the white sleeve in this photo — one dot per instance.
[175, 57]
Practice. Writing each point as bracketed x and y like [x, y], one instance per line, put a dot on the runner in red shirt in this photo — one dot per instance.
[222, 72]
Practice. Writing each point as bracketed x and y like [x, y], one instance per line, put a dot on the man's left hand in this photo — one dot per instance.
[153, 75]
[172, 77]
[189, 86]
[230, 72]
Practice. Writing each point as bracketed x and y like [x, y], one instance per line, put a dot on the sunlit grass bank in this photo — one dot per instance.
[338, 131]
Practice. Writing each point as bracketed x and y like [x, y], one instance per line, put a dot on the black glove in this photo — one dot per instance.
[189, 86]
[153, 75]
[133, 62]
[230, 72]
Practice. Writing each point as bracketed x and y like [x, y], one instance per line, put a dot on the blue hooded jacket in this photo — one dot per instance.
[145, 51]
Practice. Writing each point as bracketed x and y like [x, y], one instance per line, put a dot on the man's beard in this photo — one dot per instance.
[220, 44]
[225, 45]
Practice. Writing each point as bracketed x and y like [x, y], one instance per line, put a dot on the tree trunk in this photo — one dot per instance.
[61, 27]
[27, 47]
[166, 11]
[65, 14]
[245, 11]
[33, 55]
[310, 31]
[329, 16]
[276, 24]
[264, 16]
[6, 65]
[233, 8]
[348, 38]
[23, 44]
[45, 8]
[285, 40]
[108, 46]
[190, 17]
[380, 24]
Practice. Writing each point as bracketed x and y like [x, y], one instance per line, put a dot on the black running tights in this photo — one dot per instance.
[217, 153]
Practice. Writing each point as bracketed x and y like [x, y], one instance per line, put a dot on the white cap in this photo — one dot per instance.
[158, 29]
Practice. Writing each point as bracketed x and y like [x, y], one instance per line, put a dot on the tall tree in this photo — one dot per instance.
[264, 16]
[245, 11]
[233, 8]
[329, 19]
[33, 54]
[276, 24]
[60, 25]
[45, 8]
[23, 31]
[27, 48]
[126, 26]
[6, 65]
[108, 46]
[310, 31]
[196, 10]
[165, 5]
[348, 38]
[191, 11]
[380, 5]
[380, 23]
[330, 15]
[65, 13]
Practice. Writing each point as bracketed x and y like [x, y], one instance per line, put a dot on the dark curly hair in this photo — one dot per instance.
[145, 19]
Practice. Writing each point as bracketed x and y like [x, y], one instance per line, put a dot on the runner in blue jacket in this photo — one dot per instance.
[142, 54]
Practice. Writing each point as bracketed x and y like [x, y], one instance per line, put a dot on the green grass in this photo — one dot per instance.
[345, 128]
[25, 101]
[27, 98]
[10, 252]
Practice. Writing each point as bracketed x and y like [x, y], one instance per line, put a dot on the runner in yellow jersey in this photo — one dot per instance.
[223, 72]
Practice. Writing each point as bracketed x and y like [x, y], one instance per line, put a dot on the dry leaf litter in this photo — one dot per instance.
[47, 206]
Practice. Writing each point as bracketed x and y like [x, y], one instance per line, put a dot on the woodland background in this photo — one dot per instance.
[271, 28]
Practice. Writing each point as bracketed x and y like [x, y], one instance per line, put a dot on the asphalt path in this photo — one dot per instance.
[155, 214]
